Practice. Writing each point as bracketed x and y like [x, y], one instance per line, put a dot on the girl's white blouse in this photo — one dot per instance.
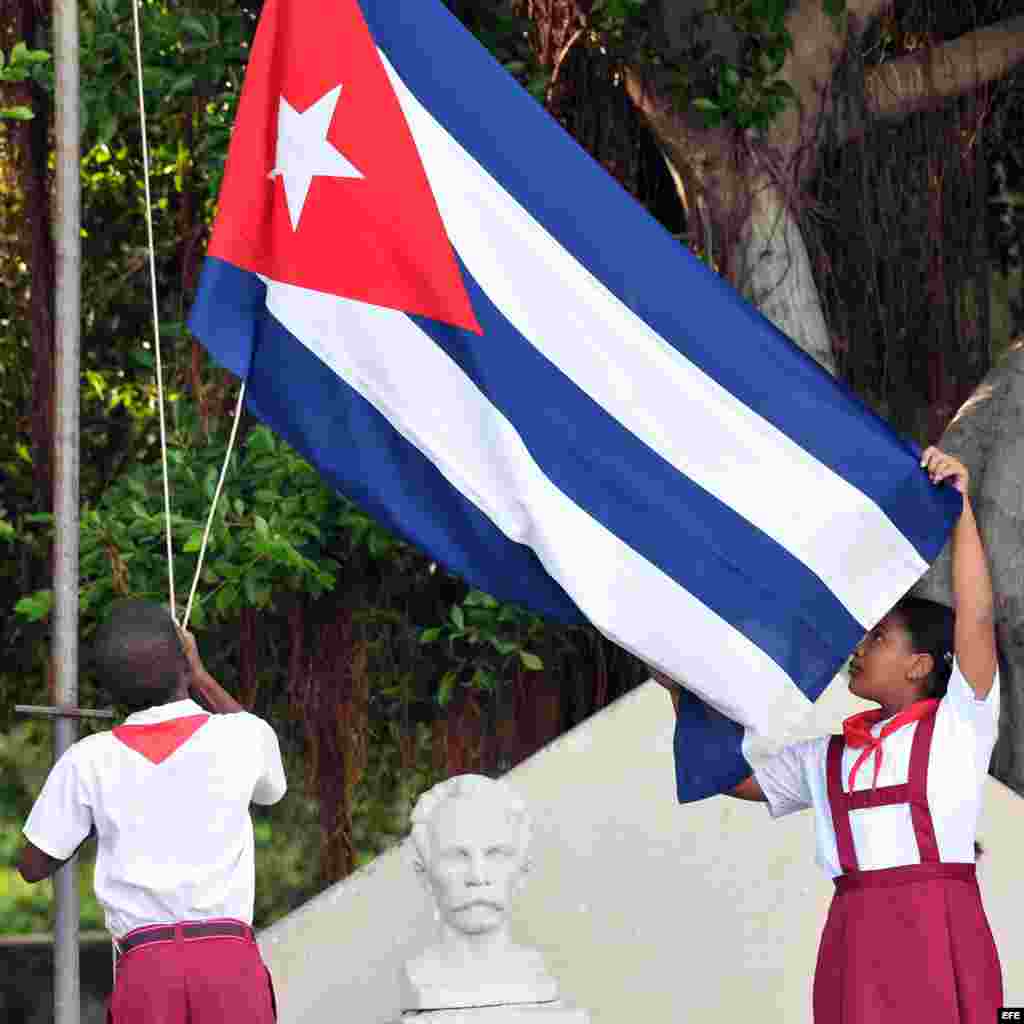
[965, 733]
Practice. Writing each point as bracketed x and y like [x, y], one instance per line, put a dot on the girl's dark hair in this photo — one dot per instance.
[930, 626]
[138, 654]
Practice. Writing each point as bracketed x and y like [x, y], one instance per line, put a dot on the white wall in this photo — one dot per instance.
[645, 909]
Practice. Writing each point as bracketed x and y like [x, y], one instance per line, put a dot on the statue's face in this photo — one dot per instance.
[476, 864]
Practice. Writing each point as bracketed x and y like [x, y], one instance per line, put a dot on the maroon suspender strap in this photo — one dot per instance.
[880, 797]
[917, 782]
[913, 792]
[838, 804]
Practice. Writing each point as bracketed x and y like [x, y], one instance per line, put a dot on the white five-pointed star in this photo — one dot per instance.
[304, 153]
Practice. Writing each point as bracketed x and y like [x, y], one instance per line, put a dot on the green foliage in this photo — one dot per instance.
[483, 639]
[507, 35]
[35, 607]
[266, 536]
[750, 95]
[22, 65]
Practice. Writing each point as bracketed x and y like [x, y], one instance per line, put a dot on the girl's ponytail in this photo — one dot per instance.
[930, 625]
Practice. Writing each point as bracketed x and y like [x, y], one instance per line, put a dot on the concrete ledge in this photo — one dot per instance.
[642, 908]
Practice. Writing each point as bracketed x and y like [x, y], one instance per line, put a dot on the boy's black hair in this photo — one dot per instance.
[138, 654]
[930, 625]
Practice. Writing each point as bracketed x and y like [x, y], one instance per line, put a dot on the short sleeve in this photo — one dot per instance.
[783, 778]
[962, 701]
[61, 818]
[271, 785]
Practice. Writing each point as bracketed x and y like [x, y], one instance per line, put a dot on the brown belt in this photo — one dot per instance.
[193, 930]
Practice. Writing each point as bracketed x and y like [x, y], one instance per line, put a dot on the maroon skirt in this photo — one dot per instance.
[908, 944]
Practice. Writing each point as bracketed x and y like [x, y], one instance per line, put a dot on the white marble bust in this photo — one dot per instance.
[471, 836]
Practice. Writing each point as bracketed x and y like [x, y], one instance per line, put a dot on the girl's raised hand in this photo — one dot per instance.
[940, 466]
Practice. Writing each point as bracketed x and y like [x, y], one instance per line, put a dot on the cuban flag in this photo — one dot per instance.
[474, 333]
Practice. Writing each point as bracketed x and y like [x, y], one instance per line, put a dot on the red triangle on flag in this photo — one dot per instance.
[157, 742]
[374, 234]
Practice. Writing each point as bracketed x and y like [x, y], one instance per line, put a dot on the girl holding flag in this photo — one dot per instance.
[896, 799]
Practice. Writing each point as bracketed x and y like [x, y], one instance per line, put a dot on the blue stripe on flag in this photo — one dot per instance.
[736, 570]
[356, 449]
[691, 307]
[708, 751]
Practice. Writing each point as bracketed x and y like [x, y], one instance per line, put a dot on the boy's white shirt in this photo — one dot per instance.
[175, 839]
[965, 733]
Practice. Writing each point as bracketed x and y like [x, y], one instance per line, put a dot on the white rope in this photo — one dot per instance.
[156, 310]
[213, 506]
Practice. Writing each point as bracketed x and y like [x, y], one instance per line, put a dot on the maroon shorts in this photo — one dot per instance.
[204, 980]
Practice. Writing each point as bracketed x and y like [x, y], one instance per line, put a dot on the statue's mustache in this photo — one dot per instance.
[493, 904]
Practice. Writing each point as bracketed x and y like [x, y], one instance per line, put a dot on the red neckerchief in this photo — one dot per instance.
[158, 740]
[857, 732]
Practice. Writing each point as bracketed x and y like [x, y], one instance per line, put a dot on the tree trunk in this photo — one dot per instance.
[32, 140]
[988, 435]
[774, 273]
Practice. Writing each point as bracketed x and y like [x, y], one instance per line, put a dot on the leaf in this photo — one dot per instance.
[783, 89]
[6, 530]
[531, 661]
[260, 441]
[227, 598]
[447, 684]
[39, 517]
[198, 618]
[257, 591]
[833, 8]
[537, 86]
[378, 544]
[485, 680]
[458, 617]
[19, 113]
[19, 54]
[107, 128]
[172, 329]
[183, 83]
[36, 606]
[194, 542]
[261, 526]
[428, 636]
[478, 599]
[196, 27]
[769, 11]
[705, 105]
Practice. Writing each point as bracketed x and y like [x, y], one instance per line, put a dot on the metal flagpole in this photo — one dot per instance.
[66, 994]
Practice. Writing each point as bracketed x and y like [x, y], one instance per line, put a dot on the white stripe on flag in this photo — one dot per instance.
[653, 390]
[439, 410]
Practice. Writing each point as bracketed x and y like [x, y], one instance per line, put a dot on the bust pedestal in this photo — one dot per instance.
[554, 1012]
[516, 977]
